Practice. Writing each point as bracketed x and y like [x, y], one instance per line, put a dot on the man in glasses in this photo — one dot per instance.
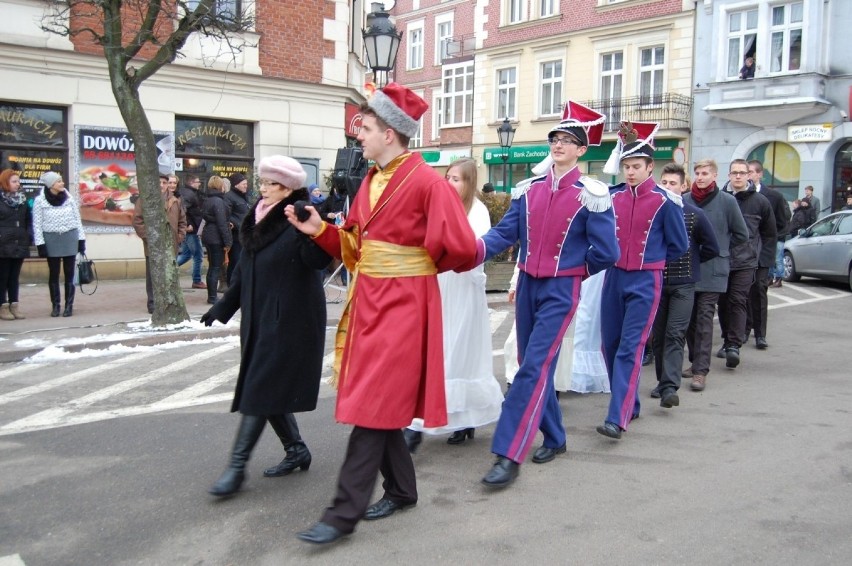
[762, 233]
[566, 229]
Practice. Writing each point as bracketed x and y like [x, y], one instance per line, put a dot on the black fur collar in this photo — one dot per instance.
[255, 237]
[55, 200]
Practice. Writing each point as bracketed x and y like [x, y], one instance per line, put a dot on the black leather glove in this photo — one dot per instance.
[208, 318]
[81, 246]
[42, 250]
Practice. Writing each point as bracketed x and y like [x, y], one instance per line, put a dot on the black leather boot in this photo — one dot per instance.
[232, 478]
[54, 297]
[298, 455]
[69, 299]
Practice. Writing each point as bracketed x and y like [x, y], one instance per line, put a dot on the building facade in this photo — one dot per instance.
[288, 90]
[791, 111]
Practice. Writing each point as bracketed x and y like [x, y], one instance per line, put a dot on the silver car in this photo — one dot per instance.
[823, 250]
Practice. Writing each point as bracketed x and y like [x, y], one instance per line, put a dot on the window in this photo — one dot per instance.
[742, 38]
[546, 8]
[845, 227]
[651, 68]
[507, 92]
[443, 33]
[515, 11]
[551, 88]
[785, 50]
[437, 114]
[612, 72]
[415, 46]
[457, 103]
[226, 8]
[417, 139]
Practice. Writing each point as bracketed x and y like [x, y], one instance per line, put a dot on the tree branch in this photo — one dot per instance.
[146, 30]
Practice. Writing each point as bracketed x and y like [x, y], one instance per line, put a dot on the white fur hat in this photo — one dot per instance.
[284, 170]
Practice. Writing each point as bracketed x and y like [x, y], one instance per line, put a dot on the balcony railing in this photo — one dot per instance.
[671, 111]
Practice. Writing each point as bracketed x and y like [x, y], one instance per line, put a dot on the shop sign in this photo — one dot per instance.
[352, 125]
[443, 157]
[31, 125]
[105, 170]
[30, 164]
[535, 153]
[809, 133]
[207, 137]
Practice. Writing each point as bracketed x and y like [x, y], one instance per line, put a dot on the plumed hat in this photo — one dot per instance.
[399, 108]
[581, 122]
[635, 139]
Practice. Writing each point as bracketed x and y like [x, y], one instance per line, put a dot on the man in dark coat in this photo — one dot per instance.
[191, 248]
[278, 287]
[239, 205]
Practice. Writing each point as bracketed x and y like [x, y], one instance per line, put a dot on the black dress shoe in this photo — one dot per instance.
[609, 429]
[669, 400]
[460, 436]
[413, 438]
[543, 454]
[732, 357]
[502, 473]
[648, 358]
[761, 343]
[655, 392]
[321, 533]
[384, 507]
[721, 352]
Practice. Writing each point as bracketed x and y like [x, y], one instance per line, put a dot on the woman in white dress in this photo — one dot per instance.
[474, 396]
[580, 367]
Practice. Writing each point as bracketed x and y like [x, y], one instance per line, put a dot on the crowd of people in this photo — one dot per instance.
[413, 351]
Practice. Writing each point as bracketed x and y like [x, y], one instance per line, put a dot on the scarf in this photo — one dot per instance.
[261, 210]
[55, 200]
[14, 200]
[699, 194]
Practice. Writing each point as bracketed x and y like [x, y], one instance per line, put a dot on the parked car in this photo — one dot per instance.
[822, 250]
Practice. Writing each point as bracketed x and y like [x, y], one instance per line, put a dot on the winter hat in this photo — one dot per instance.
[399, 108]
[236, 179]
[49, 178]
[282, 169]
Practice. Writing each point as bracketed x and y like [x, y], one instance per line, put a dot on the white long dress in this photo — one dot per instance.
[474, 396]
[580, 366]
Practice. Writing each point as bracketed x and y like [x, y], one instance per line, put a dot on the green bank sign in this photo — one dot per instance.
[535, 153]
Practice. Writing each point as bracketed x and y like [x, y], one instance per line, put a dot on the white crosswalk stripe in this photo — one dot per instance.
[53, 394]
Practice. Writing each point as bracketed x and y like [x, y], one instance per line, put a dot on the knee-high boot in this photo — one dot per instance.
[232, 478]
[298, 455]
[69, 299]
[55, 297]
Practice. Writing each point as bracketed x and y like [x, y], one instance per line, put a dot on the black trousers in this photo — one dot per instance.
[732, 307]
[371, 451]
[10, 274]
[699, 336]
[670, 327]
[758, 303]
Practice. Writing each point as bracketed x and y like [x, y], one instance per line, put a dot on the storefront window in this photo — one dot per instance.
[780, 167]
[842, 185]
[209, 147]
[33, 139]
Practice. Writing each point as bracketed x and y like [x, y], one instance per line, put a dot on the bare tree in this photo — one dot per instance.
[138, 38]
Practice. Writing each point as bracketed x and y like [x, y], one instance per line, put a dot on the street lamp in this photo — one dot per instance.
[507, 134]
[381, 41]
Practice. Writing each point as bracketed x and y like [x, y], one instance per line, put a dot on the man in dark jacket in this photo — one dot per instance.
[191, 248]
[239, 205]
[678, 294]
[745, 259]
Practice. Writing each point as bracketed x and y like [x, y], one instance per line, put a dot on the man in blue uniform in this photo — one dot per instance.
[566, 229]
[650, 230]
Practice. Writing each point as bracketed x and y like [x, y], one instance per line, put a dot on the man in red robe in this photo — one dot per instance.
[405, 226]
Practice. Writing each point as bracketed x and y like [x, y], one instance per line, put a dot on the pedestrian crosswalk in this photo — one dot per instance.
[76, 389]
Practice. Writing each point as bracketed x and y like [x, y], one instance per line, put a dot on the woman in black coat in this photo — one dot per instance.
[278, 286]
[216, 235]
[15, 239]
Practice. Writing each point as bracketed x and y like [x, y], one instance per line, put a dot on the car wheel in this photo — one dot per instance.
[850, 278]
[790, 268]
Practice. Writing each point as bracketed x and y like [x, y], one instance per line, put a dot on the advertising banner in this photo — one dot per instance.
[106, 175]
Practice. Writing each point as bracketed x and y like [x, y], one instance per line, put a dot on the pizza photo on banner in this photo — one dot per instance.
[106, 174]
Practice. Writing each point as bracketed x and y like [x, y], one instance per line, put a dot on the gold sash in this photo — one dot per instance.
[379, 260]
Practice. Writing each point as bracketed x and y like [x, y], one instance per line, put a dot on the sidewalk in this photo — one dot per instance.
[116, 314]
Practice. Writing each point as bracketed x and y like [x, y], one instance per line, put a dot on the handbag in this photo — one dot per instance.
[86, 273]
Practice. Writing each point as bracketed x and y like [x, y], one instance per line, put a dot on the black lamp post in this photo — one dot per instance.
[381, 42]
[507, 134]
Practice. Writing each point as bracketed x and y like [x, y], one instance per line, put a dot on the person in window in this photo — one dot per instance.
[747, 71]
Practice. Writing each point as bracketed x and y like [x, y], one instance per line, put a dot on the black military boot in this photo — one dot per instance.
[298, 455]
[232, 478]
[69, 299]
